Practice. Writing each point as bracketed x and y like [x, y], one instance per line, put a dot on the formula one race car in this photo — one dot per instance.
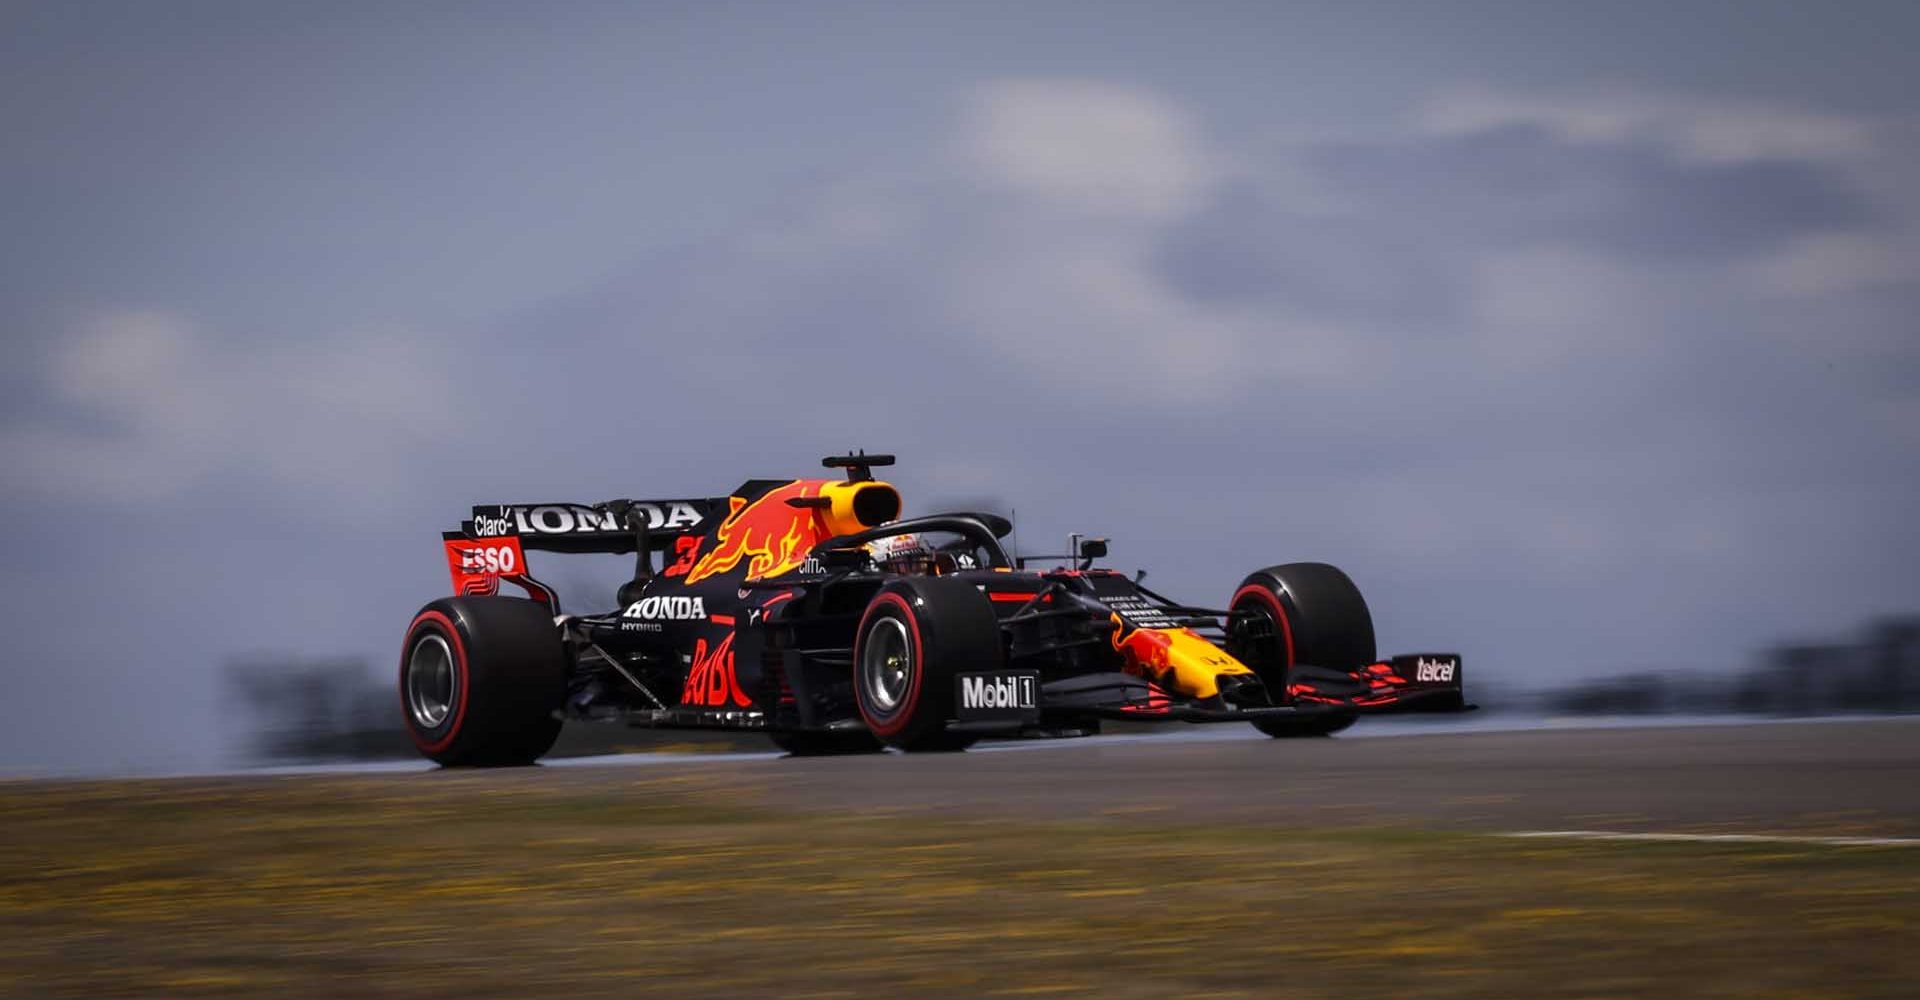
[807, 609]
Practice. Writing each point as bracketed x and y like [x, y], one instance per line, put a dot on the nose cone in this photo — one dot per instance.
[1179, 659]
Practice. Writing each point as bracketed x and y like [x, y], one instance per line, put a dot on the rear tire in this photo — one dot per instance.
[1300, 614]
[917, 634]
[836, 743]
[482, 680]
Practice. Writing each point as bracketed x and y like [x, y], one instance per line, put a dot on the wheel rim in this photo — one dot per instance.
[432, 683]
[886, 665]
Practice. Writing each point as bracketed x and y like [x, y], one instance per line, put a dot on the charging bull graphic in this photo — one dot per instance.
[773, 533]
[770, 534]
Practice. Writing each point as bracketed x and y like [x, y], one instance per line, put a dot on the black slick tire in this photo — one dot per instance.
[917, 634]
[1300, 614]
[481, 681]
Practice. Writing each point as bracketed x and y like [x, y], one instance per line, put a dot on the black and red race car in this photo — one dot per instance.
[806, 608]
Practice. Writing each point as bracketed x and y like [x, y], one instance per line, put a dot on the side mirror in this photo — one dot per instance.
[1093, 548]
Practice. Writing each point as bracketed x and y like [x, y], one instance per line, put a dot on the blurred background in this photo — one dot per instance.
[1582, 335]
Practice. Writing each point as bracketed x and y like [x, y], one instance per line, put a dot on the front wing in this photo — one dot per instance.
[1416, 682]
[1015, 698]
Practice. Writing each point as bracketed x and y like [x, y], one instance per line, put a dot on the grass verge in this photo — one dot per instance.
[420, 886]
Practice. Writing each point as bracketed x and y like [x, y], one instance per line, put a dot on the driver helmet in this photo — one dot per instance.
[906, 554]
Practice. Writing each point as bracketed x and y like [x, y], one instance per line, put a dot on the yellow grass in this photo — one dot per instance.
[427, 885]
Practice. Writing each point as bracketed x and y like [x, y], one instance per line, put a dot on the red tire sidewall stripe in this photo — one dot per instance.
[444, 625]
[904, 713]
[1263, 593]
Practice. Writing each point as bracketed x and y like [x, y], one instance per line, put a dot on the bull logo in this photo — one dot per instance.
[769, 535]
[1178, 658]
[711, 682]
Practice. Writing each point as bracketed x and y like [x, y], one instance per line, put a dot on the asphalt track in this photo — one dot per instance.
[1821, 778]
[1848, 777]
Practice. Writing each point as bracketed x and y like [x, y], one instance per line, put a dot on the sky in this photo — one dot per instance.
[1582, 335]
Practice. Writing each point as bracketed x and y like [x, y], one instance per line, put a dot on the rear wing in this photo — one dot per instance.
[576, 527]
[491, 546]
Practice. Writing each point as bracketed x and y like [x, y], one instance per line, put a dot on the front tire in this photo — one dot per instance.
[482, 680]
[1300, 614]
[917, 634]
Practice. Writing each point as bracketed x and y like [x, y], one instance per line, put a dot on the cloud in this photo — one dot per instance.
[1837, 263]
[145, 406]
[1659, 216]
[1090, 145]
[1523, 184]
[1054, 274]
[1534, 234]
[1077, 185]
[1695, 129]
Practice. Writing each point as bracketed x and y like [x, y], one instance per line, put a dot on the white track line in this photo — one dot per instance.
[1713, 838]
